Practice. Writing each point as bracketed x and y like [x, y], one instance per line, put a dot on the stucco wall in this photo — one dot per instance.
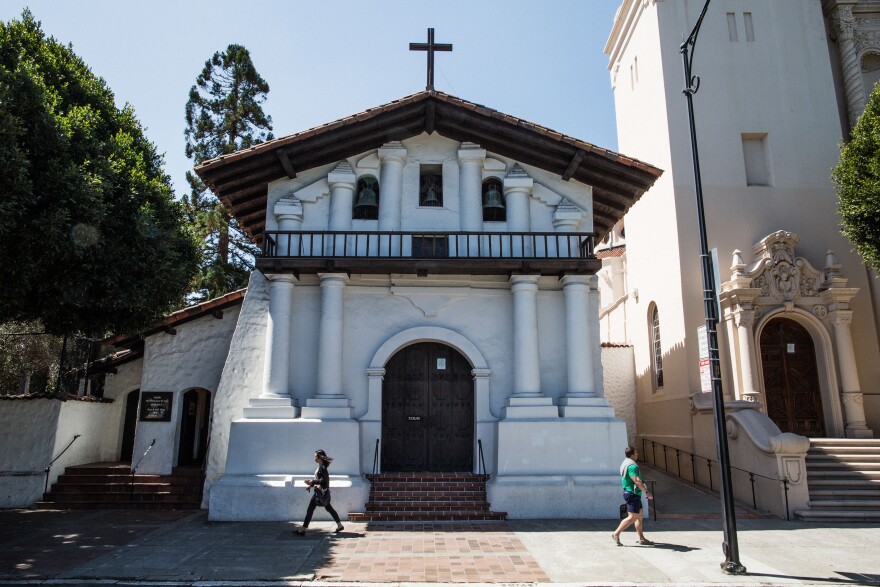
[192, 358]
[620, 386]
[33, 432]
[116, 387]
[242, 376]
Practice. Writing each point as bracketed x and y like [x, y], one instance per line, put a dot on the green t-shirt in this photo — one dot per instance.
[627, 479]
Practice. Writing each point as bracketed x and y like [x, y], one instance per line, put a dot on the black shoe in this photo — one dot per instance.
[339, 529]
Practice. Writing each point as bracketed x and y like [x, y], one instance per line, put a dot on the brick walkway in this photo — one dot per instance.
[441, 553]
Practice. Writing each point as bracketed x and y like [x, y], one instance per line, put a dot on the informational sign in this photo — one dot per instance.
[705, 366]
[156, 406]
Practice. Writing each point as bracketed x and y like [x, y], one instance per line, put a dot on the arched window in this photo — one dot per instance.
[656, 348]
[870, 73]
[366, 204]
[493, 201]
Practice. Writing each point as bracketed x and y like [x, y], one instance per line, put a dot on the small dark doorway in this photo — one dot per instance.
[791, 379]
[194, 427]
[129, 424]
[428, 410]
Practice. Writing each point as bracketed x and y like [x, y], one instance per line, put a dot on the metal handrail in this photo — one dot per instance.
[482, 470]
[376, 458]
[693, 457]
[135, 468]
[52, 462]
[388, 244]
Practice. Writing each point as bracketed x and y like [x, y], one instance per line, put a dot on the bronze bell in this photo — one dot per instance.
[367, 199]
[493, 198]
[431, 198]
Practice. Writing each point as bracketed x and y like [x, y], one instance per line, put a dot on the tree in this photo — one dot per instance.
[91, 238]
[857, 178]
[223, 115]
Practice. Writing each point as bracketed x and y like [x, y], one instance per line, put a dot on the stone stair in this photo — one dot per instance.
[843, 477]
[111, 486]
[427, 497]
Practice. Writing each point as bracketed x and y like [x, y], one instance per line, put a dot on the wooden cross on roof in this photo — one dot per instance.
[430, 47]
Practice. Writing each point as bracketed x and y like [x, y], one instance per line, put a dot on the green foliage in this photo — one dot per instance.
[91, 238]
[223, 115]
[857, 179]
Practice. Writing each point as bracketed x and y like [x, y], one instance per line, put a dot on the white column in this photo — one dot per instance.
[330, 402]
[289, 215]
[393, 160]
[342, 181]
[275, 401]
[744, 320]
[579, 351]
[517, 189]
[581, 346]
[470, 186]
[526, 400]
[856, 424]
[330, 335]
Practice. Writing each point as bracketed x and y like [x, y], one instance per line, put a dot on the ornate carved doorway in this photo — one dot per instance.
[427, 410]
[791, 380]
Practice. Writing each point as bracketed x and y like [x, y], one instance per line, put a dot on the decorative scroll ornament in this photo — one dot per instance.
[779, 273]
[820, 311]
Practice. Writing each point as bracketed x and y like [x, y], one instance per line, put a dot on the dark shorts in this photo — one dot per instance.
[633, 502]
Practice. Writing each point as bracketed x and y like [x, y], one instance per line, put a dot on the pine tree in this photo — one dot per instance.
[223, 115]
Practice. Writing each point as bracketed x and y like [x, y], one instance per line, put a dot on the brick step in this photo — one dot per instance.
[403, 493]
[844, 467]
[118, 505]
[814, 442]
[461, 515]
[426, 486]
[831, 482]
[426, 506]
[66, 478]
[427, 478]
[125, 488]
[843, 458]
[120, 497]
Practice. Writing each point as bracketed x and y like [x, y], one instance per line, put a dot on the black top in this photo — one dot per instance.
[322, 477]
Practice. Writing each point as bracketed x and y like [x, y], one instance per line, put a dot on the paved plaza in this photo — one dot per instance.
[183, 548]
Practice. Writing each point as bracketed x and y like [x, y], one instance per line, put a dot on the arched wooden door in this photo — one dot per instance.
[428, 410]
[129, 424]
[194, 427]
[791, 379]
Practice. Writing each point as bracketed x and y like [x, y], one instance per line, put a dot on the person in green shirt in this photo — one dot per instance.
[633, 486]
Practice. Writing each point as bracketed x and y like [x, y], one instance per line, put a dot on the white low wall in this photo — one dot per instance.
[34, 431]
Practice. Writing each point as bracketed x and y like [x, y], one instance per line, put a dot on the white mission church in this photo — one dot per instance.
[434, 302]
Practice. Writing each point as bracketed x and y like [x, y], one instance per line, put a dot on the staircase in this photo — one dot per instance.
[427, 497]
[843, 477]
[111, 486]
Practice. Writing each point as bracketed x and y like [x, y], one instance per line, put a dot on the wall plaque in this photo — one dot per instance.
[156, 406]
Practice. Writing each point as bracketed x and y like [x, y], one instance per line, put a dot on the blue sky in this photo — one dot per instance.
[324, 60]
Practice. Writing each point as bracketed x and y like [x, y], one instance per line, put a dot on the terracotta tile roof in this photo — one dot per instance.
[180, 317]
[612, 252]
[241, 179]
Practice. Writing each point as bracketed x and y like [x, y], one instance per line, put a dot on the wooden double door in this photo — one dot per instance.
[791, 379]
[428, 410]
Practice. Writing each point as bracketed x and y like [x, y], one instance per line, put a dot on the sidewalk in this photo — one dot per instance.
[183, 548]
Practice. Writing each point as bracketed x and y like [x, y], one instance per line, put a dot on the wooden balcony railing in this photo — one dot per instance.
[446, 252]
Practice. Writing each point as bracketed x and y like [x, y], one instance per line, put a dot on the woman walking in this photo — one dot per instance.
[321, 497]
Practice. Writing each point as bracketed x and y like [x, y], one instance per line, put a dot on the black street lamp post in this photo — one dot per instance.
[730, 547]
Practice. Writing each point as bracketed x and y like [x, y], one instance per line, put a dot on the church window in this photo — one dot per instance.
[750, 29]
[493, 201]
[870, 72]
[431, 186]
[656, 348]
[366, 205]
[756, 159]
[731, 27]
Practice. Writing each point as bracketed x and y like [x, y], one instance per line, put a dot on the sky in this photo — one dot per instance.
[323, 60]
